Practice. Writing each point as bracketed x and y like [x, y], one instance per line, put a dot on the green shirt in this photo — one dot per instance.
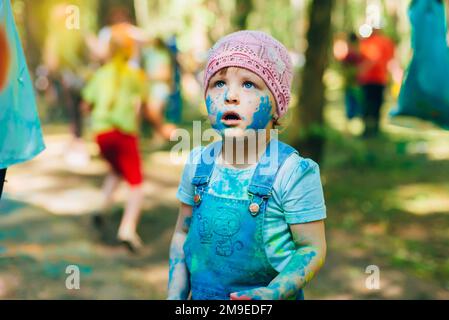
[116, 91]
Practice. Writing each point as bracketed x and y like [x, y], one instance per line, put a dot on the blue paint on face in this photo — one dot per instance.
[263, 114]
[214, 113]
[209, 106]
[226, 94]
[261, 117]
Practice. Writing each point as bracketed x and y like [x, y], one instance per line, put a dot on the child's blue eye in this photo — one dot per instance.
[248, 84]
[219, 84]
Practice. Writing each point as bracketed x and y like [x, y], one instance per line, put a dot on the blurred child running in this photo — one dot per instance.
[115, 94]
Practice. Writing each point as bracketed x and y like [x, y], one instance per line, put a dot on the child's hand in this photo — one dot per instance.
[85, 108]
[262, 293]
[167, 130]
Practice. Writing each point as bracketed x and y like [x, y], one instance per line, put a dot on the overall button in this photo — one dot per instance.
[254, 208]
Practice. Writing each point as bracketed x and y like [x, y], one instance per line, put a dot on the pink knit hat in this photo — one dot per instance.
[259, 53]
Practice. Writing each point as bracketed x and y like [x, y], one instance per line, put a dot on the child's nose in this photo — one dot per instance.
[231, 97]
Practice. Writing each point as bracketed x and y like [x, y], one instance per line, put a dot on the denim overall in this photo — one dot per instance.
[224, 249]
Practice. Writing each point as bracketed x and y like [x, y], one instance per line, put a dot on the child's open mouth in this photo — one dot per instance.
[231, 118]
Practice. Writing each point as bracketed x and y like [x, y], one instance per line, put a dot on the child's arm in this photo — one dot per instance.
[179, 282]
[85, 107]
[156, 118]
[310, 241]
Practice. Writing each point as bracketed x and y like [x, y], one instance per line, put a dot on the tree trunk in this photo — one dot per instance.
[310, 140]
[347, 11]
[242, 10]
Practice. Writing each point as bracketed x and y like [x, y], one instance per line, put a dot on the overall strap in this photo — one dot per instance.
[262, 181]
[206, 164]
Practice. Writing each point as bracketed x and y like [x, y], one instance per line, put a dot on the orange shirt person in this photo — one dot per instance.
[377, 51]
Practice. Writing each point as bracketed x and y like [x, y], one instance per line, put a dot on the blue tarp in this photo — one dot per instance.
[425, 88]
[20, 130]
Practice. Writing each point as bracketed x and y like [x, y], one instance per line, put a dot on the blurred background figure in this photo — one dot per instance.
[158, 66]
[377, 51]
[65, 67]
[99, 44]
[348, 53]
[353, 94]
[174, 107]
[115, 95]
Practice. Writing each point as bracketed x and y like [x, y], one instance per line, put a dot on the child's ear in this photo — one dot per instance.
[274, 120]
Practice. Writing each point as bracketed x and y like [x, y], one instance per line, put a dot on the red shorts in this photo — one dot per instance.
[122, 152]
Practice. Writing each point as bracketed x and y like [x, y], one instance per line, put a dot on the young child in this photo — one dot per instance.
[115, 93]
[247, 230]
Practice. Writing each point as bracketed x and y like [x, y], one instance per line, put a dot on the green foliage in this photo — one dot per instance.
[278, 18]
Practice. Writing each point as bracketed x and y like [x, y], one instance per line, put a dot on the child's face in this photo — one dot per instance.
[237, 100]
